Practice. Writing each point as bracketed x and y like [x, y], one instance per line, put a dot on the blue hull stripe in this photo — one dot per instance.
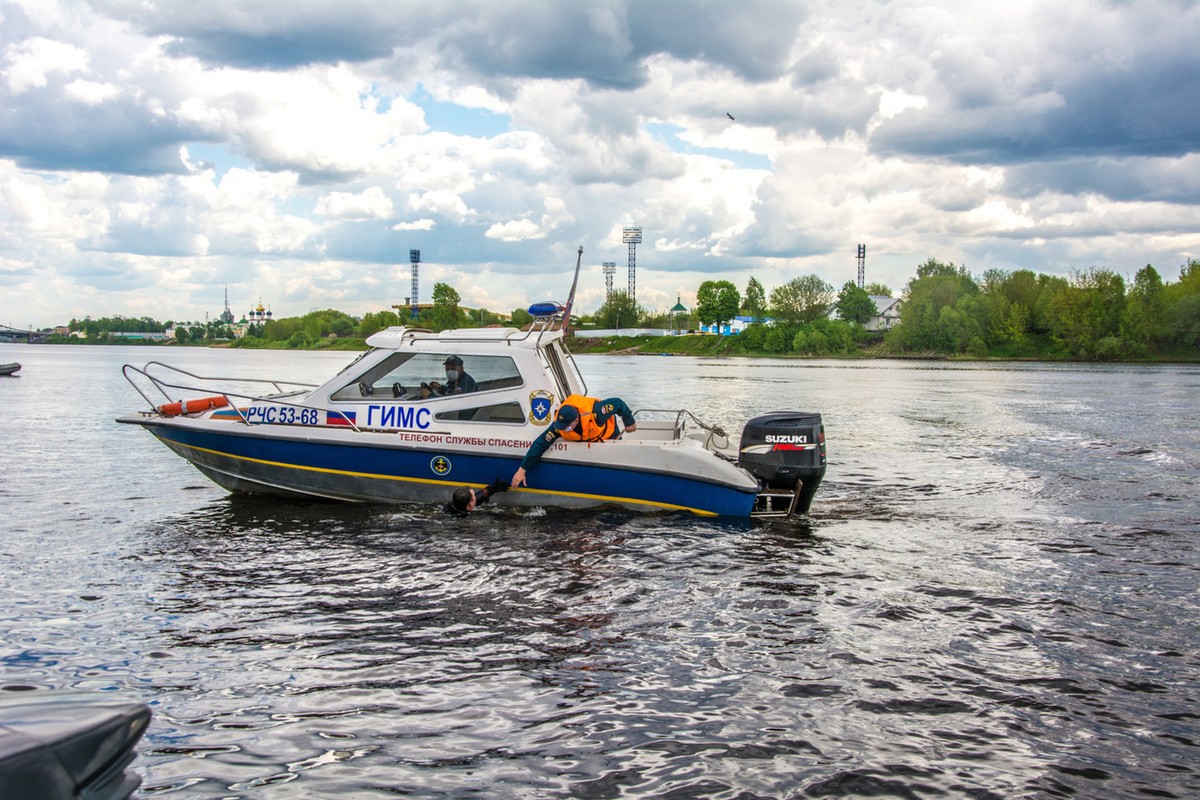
[628, 487]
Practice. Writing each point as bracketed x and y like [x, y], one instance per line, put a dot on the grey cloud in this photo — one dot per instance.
[41, 130]
[270, 35]
[752, 39]
[279, 49]
[1173, 180]
[603, 43]
[107, 273]
[831, 113]
[1143, 104]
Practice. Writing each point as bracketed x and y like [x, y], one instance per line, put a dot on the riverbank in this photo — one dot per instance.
[728, 346]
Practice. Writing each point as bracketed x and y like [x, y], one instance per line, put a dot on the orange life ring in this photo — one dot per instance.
[192, 406]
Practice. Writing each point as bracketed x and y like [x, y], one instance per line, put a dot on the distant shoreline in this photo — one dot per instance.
[656, 346]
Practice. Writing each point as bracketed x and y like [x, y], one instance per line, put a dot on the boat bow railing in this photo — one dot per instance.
[282, 389]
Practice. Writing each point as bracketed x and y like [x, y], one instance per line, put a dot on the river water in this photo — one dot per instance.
[995, 596]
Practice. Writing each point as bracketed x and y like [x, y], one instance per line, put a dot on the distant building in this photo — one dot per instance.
[147, 336]
[887, 313]
[734, 326]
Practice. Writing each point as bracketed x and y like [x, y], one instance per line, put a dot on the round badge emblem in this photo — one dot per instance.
[440, 465]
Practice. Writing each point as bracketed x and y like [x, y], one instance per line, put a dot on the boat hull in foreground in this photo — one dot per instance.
[374, 467]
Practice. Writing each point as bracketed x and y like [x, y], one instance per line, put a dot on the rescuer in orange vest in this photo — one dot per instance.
[580, 419]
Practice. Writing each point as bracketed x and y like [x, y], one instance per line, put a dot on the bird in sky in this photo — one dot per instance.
[729, 115]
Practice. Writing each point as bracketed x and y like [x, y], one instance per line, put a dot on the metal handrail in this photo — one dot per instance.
[273, 381]
[682, 415]
[162, 386]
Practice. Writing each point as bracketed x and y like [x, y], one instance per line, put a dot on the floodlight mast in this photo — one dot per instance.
[862, 265]
[632, 237]
[610, 268]
[415, 257]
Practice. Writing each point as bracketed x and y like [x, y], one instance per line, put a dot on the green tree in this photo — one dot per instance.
[1087, 311]
[878, 290]
[1185, 322]
[753, 338]
[619, 311]
[779, 338]
[841, 334]
[801, 300]
[445, 295]
[375, 321]
[1142, 321]
[717, 302]
[445, 313]
[936, 311]
[854, 304]
[521, 317]
[755, 300]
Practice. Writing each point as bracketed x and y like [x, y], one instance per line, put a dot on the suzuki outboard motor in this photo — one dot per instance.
[785, 450]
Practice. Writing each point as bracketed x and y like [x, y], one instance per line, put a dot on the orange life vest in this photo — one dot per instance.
[587, 430]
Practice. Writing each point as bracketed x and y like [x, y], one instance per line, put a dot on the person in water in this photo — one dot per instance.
[465, 499]
[579, 419]
[457, 379]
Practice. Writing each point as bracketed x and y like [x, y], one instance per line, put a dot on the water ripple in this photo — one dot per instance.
[994, 597]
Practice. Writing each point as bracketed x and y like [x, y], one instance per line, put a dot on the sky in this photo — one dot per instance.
[156, 155]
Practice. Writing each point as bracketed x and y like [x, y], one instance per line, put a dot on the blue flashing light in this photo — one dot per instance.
[546, 308]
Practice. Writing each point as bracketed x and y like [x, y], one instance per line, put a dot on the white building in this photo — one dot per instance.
[887, 313]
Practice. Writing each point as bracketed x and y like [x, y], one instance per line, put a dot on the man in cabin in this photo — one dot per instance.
[457, 379]
[466, 499]
[579, 419]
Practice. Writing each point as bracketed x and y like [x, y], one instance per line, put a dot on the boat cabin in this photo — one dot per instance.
[512, 377]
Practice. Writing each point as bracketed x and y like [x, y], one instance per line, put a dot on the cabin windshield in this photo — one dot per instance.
[400, 376]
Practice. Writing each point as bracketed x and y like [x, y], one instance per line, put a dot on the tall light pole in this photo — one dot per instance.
[415, 257]
[610, 268]
[632, 237]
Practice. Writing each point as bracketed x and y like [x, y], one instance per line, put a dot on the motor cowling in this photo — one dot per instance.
[784, 447]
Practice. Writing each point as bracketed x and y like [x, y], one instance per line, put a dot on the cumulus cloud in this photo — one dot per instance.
[371, 203]
[415, 225]
[515, 231]
[29, 63]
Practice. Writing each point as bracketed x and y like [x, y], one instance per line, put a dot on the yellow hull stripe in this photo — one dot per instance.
[434, 482]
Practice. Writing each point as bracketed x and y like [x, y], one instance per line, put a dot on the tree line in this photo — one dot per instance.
[946, 310]
[1092, 315]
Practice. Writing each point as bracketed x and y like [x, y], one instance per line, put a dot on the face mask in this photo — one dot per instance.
[451, 374]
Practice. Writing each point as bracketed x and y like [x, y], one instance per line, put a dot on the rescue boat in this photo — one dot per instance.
[370, 434]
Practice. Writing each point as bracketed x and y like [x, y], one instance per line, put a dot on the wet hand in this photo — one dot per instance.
[518, 478]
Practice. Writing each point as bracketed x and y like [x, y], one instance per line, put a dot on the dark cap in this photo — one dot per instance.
[452, 360]
[566, 418]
